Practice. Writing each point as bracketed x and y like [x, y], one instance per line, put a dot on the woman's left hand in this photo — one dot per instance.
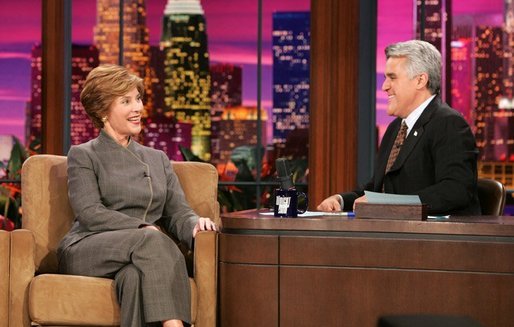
[204, 224]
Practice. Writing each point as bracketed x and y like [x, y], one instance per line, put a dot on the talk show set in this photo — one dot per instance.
[219, 163]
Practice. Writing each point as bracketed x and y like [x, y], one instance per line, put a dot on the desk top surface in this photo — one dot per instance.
[456, 225]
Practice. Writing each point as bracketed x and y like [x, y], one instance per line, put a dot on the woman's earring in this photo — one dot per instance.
[104, 119]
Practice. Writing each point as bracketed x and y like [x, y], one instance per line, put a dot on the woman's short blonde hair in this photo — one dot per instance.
[103, 85]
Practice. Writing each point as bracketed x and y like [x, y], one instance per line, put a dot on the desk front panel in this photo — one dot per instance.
[329, 296]
[353, 279]
[249, 249]
[248, 268]
[403, 251]
[349, 273]
[248, 295]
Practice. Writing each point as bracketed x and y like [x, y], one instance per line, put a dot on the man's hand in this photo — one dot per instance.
[330, 204]
[204, 224]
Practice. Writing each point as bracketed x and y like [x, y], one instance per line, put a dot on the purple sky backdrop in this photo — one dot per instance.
[396, 23]
[232, 35]
[232, 32]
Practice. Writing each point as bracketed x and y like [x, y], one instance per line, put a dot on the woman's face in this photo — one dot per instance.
[124, 117]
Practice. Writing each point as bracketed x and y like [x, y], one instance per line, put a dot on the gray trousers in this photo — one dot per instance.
[148, 268]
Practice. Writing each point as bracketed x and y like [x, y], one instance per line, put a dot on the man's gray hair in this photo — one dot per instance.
[422, 57]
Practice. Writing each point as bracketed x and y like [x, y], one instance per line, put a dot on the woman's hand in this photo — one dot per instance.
[204, 224]
[151, 227]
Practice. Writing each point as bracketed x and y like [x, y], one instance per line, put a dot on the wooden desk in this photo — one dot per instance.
[335, 271]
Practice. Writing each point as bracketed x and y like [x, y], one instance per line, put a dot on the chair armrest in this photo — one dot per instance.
[4, 277]
[206, 277]
[21, 271]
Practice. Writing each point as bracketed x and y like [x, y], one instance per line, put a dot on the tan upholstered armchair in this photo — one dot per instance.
[4, 277]
[38, 295]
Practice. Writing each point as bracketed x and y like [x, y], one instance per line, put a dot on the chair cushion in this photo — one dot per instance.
[68, 300]
[73, 300]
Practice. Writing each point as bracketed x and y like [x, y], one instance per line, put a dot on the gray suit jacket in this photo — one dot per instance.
[112, 187]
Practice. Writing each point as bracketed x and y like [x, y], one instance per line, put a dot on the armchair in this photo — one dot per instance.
[38, 295]
[4, 277]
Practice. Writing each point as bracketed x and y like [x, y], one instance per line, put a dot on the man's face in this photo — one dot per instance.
[401, 90]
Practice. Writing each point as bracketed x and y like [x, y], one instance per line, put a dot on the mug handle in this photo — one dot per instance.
[306, 202]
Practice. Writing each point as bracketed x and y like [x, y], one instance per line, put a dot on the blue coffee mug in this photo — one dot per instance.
[286, 203]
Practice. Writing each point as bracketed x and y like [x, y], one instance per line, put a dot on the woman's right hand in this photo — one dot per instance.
[204, 224]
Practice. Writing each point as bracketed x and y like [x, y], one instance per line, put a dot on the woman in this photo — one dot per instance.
[120, 192]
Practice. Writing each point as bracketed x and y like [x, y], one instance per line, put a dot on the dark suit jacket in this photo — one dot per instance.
[438, 162]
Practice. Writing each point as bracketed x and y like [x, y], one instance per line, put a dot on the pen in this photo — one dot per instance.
[340, 213]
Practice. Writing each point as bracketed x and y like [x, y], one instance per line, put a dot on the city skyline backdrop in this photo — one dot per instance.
[232, 38]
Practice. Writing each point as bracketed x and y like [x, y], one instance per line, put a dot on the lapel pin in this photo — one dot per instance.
[415, 133]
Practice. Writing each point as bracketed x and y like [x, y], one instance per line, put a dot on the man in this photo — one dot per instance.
[435, 157]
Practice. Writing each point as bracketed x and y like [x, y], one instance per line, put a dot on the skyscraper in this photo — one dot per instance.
[436, 20]
[157, 80]
[507, 100]
[84, 59]
[492, 93]
[488, 79]
[225, 93]
[163, 133]
[462, 78]
[187, 81]
[136, 47]
[33, 109]
[291, 58]
[504, 118]
[238, 126]
[494, 89]
[226, 86]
